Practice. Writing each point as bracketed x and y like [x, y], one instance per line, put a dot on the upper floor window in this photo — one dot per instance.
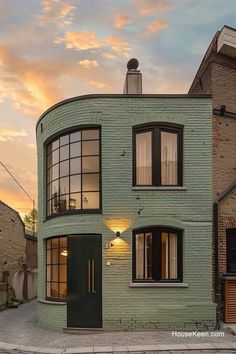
[231, 250]
[157, 254]
[73, 172]
[158, 156]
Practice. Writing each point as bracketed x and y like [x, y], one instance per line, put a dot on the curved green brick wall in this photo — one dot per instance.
[189, 208]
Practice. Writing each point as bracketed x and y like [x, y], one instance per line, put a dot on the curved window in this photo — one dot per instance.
[73, 172]
[157, 156]
[157, 254]
[56, 263]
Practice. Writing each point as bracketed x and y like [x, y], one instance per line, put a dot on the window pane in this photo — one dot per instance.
[48, 289]
[55, 205]
[75, 201]
[144, 158]
[63, 255]
[63, 242]
[91, 200]
[55, 188]
[139, 243]
[63, 273]
[55, 243]
[49, 149]
[64, 185]
[49, 211]
[75, 166]
[75, 149]
[173, 256]
[91, 182]
[55, 172]
[90, 134]
[64, 168]
[64, 140]
[64, 202]
[63, 290]
[54, 269]
[75, 183]
[55, 156]
[49, 244]
[55, 144]
[54, 290]
[75, 136]
[64, 152]
[48, 256]
[169, 165]
[90, 164]
[164, 255]
[90, 148]
[148, 256]
[55, 254]
[49, 273]
[49, 160]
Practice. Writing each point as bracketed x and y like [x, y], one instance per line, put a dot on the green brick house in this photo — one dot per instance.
[125, 209]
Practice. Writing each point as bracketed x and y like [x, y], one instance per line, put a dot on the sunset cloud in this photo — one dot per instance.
[118, 45]
[82, 40]
[157, 26]
[109, 56]
[149, 7]
[9, 134]
[121, 20]
[88, 64]
[55, 10]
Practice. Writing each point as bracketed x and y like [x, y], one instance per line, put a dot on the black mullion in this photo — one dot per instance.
[157, 157]
[58, 260]
[81, 179]
[168, 240]
[144, 255]
[59, 183]
[69, 173]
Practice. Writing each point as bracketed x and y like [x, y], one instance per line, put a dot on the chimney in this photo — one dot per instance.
[133, 80]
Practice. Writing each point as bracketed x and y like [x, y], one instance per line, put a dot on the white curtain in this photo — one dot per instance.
[169, 158]
[144, 158]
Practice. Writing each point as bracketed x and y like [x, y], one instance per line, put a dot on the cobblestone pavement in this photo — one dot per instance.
[19, 326]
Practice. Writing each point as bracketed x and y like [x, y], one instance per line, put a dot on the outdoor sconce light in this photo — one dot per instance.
[117, 240]
[64, 253]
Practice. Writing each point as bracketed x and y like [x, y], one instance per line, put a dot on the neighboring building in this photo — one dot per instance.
[217, 76]
[12, 246]
[18, 257]
[125, 210]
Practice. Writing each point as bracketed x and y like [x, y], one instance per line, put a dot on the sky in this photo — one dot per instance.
[54, 49]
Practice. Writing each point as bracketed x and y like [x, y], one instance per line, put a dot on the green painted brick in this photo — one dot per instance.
[127, 308]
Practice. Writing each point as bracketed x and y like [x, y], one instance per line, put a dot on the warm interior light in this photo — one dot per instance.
[64, 253]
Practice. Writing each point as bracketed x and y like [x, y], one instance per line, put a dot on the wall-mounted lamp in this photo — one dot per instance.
[117, 240]
[64, 253]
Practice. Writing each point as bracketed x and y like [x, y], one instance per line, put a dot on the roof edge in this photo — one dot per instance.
[90, 96]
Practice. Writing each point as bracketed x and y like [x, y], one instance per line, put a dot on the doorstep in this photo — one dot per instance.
[124, 349]
[72, 330]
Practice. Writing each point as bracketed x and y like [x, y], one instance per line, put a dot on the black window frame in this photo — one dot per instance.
[59, 135]
[230, 234]
[59, 264]
[156, 129]
[157, 257]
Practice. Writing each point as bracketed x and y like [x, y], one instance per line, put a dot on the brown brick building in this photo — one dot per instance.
[217, 76]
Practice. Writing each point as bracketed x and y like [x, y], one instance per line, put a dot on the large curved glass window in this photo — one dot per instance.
[56, 279]
[73, 172]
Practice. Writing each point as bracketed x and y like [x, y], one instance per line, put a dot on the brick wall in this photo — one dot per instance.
[12, 241]
[188, 208]
[31, 252]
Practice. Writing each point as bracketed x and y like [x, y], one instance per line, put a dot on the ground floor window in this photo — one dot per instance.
[231, 250]
[56, 263]
[157, 254]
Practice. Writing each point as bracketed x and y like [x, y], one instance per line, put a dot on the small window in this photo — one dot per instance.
[158, 156]
[56, 268]
[231, 250]
[73, 172]
[157, 255]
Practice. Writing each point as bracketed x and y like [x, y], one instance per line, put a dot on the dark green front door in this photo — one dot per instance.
[84, 308]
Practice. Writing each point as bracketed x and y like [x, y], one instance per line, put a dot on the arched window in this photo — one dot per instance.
[231, 250]
[56, 263]
[73, 172]
[157, 158]
[157, 254]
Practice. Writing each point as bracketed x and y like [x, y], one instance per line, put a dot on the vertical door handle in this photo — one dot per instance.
[89, 276]
[93, 275]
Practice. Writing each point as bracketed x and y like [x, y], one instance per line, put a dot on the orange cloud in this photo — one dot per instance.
[149, 7]
[82, 40]
[54, 10]
[121, 20]
[118, 45]
[156, 26]
[9, 134]
[109, 56]
[88, 64]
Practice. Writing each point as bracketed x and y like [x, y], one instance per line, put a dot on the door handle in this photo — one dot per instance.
[93, 280]
[89, 276]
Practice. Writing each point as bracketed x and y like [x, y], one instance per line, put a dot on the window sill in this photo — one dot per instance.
[48, 302]
[159, 188]
[158, 285]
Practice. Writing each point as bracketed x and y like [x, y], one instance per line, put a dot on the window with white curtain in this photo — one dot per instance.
[158, 156]
[157, 254]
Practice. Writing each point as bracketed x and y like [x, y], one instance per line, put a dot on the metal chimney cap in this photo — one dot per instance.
[132, 64]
